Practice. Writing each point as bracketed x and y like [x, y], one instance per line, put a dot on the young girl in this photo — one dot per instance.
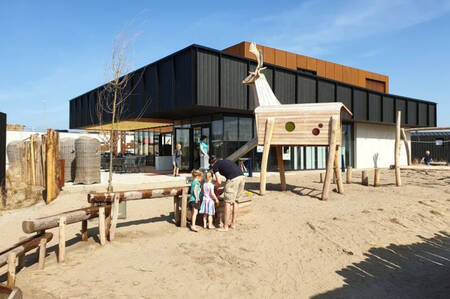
[194, 199]
[207, 208]
[176, 160]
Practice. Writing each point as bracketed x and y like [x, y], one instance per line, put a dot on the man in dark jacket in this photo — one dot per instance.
[234, 187]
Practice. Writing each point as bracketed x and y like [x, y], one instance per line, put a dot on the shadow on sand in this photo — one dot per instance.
[418, 270]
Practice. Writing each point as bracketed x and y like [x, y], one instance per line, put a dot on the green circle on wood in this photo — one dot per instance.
[290, 126]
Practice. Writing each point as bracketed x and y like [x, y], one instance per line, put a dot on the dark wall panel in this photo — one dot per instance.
[412, 113]
[152, 89]
[233, 92]
[251, 95]
[422, 113]
[285, 87]
[359, 104]
[432, 115]
[306, 89]
[166, 85]
[326, 92]
[207, 78]
[344, 95]
[388, 110]
[72, 123]
[184, 82]
[401, 106]
[374, 107]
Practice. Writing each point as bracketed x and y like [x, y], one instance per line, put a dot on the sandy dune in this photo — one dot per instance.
[384, 242]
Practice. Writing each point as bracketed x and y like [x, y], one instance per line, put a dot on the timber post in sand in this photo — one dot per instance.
[337, 172]
[331, 157]
[364, 178]
[349, 175]
[11, 270]
[23, 246]
[281, 167]
[84, 230]
[408, 151]
[42, 253]
[376, 178]
[184, 200]
[62, 240]
[265, 157]
[321, 178]
[398, 179]
[101, 225]
[115, 216]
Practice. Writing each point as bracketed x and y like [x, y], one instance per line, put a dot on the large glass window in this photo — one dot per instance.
[217, 129]
[245, 128]
[230, 128]
[347, 144]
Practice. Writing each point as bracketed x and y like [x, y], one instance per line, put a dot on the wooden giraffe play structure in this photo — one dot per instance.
[294, 125]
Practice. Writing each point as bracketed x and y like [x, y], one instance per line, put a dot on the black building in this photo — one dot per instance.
[438, 143]
[198, 91]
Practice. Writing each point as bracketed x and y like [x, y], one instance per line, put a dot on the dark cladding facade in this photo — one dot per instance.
[199, 86]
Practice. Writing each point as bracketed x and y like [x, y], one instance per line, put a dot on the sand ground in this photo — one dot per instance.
[384, 242]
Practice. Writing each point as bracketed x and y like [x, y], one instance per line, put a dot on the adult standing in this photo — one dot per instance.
[234, 187]
[204, 153]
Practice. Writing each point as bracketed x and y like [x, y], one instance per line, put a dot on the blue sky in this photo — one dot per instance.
[53, 51]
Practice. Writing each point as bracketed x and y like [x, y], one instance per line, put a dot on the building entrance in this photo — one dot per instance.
[197, 133]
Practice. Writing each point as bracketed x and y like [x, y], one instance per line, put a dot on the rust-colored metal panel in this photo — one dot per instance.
[329, 70]
[291, 61]
[311, 63]
[280, 58]
[362, 78]
[338, 72]
[321, 69]
[269, 55]
[302, 62]
[346, 74]
[354, 76]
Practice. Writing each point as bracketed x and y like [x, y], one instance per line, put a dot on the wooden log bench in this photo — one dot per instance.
[18, 251]
[10, 293]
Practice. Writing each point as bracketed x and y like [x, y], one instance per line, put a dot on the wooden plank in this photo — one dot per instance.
[408, 151]
[243, 150]
[44, 223]
[267, 141]
[331, 157]
[364, 178]
[102, 197]
[11, 270]
[281, 167]
[427, 129]
[398, 180]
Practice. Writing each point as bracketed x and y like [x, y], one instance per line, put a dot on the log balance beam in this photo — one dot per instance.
[10, 293]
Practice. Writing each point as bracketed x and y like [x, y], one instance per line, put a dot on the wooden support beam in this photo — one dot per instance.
[101, 225]
[11, 270]
[281, 167]
[331, 157]
[349, 175]
[23, 246]
[321, 178]
[184, 199]
[364, 178]
[247, 147]
[42, 253]
[267, 140]
[84, 230]
[44, 223]
[115, 216]
[99, 197]
[408, 151]
[62, 240]
[427, 129]
[376, 179]
[337, 171]
[398, 180]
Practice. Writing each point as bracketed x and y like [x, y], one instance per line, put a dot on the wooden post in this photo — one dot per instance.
[281, 167]
[62, 240]
[84, 232]
[33, 159]
[21, 260]
[364, 178]
[267, 140]
[176, 209]
[349, 174]
[107, 223]
[11, 270]
[376, 180]
[101, 225]
[42, 253]
[398, 180]
[337, 171]
[115, 209]
[405, 141]
[321, 178]
[184, 199]
[331, 157]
